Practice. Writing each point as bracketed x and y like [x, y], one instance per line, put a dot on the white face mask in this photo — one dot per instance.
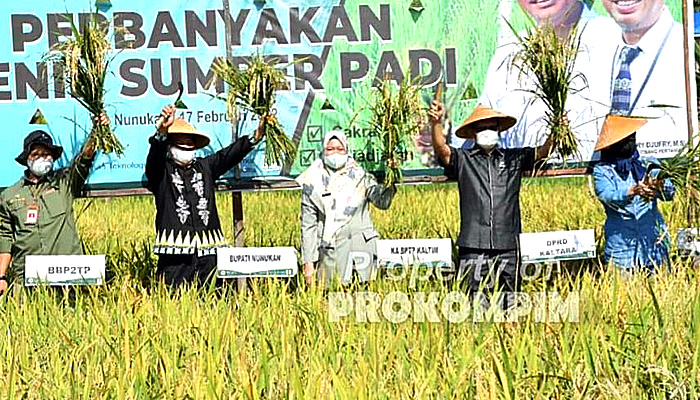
[180, 156]
[487, 139]
[336, 161]
[40, 167]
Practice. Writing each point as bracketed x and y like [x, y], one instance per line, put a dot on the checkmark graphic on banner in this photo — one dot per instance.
[314, 133]
[307, 157]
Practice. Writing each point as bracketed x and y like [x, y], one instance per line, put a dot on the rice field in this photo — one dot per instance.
[133, 339]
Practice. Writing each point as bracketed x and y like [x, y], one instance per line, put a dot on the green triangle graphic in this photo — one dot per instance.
[470, 92]
[38, 118]
[416, 5]
[327, 106]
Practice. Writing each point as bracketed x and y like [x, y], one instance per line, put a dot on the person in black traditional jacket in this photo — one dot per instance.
[188, 231]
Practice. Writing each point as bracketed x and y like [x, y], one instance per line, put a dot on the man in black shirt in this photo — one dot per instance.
[488, 179]
[188, 229]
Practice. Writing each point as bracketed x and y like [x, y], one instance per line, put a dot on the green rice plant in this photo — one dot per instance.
[683, 170]
[635, 337]
[550, 60]
[396, 118]
[86, 59]
[253, 89]
[272, 341]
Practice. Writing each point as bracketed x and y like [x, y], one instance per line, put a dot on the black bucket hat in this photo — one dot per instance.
[38, 137]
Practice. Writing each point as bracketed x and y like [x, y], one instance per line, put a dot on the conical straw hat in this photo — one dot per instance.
[483, 113]
[183, 127]
[616, 128]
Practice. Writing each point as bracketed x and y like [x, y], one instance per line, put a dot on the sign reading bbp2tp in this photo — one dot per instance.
[407, 252]
[64, 270]
[251, 262]
[557, 246]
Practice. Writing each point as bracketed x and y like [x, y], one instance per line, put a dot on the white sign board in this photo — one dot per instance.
[688, 240]
[405, 252]
[557, 246]
[251, 262]
[64, 270]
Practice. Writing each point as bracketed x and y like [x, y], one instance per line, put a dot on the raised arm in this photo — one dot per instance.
[226, 158]
[82, 162]
[80, 168]
[436, 115]
[545, 150]
[155, 161]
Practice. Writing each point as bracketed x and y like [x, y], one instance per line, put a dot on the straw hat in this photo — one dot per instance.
[181, 126]
[616, 128]
[483, 113]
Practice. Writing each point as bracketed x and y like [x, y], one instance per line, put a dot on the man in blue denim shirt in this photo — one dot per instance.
[636, 238]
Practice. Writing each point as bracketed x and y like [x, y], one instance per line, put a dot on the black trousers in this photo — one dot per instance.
[177, 269]
[487, 270]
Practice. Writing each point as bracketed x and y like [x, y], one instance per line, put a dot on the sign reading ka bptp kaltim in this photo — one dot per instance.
[423, 252]
[64, 270]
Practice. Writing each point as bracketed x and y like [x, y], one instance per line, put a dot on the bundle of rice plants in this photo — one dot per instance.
[253, 90]
[85, 57]
[396, 115]
[683, 170]
[549, 59]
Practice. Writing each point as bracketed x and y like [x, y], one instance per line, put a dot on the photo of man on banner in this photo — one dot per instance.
[630, 62]
[641, 73]
[510, 90]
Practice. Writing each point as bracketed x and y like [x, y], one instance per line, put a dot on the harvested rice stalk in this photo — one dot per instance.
[550, 60]
[396, 116]
[85, 58]
[683, 170]
[253, 90]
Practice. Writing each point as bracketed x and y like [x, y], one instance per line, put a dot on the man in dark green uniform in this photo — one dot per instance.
[36, 213]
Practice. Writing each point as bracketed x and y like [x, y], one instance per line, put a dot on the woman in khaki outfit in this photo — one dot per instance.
[337, 234]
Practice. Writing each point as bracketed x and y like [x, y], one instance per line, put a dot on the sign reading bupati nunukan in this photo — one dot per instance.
[240, 262]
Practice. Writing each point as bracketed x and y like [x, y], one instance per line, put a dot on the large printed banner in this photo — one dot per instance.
[332, 51]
